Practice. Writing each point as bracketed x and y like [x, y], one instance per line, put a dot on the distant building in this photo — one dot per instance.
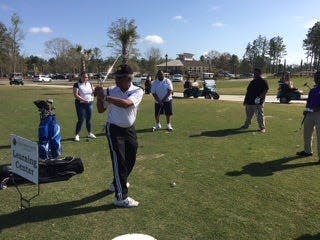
[184, 64]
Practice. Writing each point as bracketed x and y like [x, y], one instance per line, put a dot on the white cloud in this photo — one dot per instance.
[298, 18]
[218, 24]
[310, 23]
[178, 18]
[153, 39]
[215, 8]
[5, 7]
[39, 30]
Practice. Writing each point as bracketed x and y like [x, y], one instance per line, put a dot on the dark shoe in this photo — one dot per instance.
[244, 127]
[304, 154]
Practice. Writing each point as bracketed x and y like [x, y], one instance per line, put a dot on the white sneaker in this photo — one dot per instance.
[111, 187]
[158, 126]
[169, 127]
[77, 138]
[91, 135]
[126, 203]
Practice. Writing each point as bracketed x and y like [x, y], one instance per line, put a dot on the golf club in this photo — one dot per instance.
[298, 131]
[109, 70]
[306, 85]
[158, 115]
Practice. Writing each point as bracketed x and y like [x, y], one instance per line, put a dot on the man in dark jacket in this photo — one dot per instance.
[254, 100]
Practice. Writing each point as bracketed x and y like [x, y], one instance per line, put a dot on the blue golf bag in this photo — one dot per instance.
[49, 146]
[49, 132]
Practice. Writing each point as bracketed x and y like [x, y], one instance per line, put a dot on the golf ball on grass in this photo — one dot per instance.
[173, 184]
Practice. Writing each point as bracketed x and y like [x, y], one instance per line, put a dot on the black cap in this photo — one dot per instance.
[123, 70]
[257, 70]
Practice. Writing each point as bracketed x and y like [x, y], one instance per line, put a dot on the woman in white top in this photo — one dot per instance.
[83, 93]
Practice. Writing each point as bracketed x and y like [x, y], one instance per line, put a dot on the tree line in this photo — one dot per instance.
[66, 57]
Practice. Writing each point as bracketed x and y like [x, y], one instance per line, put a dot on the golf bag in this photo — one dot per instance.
[49, 171]
[49, 145]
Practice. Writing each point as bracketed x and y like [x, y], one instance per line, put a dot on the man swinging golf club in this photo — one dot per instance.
[311, 118]
[122, 102]
[162, 90]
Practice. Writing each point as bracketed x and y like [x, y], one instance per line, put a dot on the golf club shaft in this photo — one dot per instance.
[299, 130]
[159, 112]
[110, 69]
[306, 84]
[304, 118]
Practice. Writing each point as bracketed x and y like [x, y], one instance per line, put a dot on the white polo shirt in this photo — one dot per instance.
[85, 90]
[124, 117]
[161, 88]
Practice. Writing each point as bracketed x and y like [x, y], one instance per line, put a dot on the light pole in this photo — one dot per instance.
[166, 62]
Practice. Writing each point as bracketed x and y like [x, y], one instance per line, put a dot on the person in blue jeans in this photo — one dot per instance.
[84, 95]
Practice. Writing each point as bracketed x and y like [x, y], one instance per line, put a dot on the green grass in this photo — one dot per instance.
[231, 184]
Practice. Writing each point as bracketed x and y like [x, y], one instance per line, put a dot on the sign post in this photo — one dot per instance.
[25, 163]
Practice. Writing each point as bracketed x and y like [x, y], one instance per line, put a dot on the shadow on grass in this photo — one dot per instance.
[5, 146]
[72, 138]
[60, 210]
[309, 237]
[222, 132]
[258, 169]
[144, 130]
[54, 94]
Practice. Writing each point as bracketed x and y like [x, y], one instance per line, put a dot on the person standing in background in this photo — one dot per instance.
[254, 100]
[311, 119]
[84, 95]
[162, 90]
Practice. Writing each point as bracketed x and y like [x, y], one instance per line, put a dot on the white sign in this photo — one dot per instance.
[25, 158]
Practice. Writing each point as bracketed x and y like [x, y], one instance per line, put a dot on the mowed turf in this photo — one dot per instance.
[230, 183]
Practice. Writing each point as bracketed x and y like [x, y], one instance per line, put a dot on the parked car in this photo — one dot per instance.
[60, 76]
[177, 78]
[16, 79]
[246, 75]
[208, 76]
[137, 82]
[41, 78]
[226, 74]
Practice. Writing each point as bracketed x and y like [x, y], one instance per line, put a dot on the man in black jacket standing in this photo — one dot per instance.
[254, 100]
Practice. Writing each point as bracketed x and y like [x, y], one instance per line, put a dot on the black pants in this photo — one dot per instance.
[123, 146]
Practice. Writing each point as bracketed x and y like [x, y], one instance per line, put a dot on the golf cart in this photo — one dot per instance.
[287, 93]
[16, 79]
[209, 88]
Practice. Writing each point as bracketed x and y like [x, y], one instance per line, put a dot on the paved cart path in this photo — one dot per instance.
[234, 98]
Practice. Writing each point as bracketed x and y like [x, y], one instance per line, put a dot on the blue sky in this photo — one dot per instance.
[173, 26]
